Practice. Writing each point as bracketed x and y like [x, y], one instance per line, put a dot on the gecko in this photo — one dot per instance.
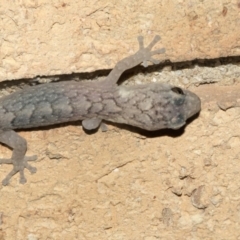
[151, 106]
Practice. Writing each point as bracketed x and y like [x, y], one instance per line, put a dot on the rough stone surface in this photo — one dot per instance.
[125, 184]
[56, 37]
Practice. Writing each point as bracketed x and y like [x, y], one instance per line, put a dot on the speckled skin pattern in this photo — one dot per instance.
[150, 106]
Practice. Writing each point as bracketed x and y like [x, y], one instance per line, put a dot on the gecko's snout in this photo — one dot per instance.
[193, 104]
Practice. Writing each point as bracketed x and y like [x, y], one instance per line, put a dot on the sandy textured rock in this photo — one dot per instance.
[122, 184]
[56, 37]
[125, 184]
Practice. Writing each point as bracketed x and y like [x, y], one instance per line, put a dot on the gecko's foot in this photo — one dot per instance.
[18, 166]
[146, 52]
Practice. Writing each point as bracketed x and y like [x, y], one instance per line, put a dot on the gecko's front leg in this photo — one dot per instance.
[143, 55]
[18, 159]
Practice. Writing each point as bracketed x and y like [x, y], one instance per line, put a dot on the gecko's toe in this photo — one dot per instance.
[159, 51]
[30, 158]
[5, 182]
[140, 42]
[153, 60]
[145, 63]
[30, 168]
[6, 161]
[22, 178]
[157, 38]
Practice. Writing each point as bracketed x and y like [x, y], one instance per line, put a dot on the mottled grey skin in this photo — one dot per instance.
[149, 106]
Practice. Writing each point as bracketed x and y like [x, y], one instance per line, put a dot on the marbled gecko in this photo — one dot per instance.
[150, 106]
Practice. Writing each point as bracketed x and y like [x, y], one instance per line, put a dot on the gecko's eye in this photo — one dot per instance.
[177, 90]
[180, 99]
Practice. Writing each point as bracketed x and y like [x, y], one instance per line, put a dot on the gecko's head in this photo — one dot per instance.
[155, 106]
[171, 106]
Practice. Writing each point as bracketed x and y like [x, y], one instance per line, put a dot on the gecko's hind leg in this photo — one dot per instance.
[18, 159]
[19, 169]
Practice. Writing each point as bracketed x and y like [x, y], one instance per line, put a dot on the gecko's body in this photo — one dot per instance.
[149, 106]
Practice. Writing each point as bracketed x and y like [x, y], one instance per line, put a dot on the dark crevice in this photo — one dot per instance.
[21, 83]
